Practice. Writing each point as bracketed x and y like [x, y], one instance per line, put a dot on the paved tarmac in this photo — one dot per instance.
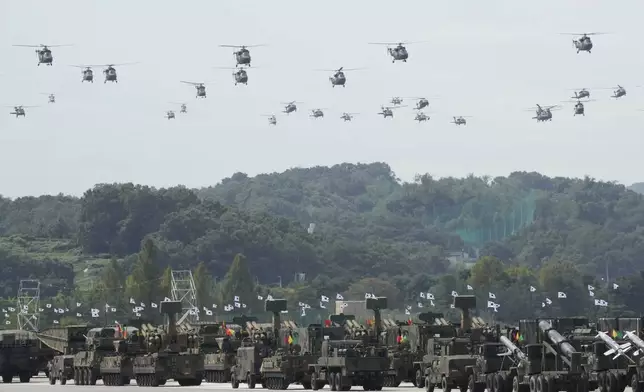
[36, 384]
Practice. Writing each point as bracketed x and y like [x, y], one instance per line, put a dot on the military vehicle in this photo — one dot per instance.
[18, 350]
[450, 353]
[169, 355]
[617, 363]
[299, 347]
[405, 342]
[68, 341]
[117, 369]
[345, 363]
[99, 343]
[219, 344]
[261, 344]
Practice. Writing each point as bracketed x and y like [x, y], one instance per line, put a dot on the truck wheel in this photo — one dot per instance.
[613, 385]
[52, 380]
[62, 379]
[515, 384]
[635, 384]
[429, 387]
[541, 384]
[419, 379]
[250, 381]
[24, 377]
[332, 385]
[499, 384]
[307, 384]
[233, 381]
[445, 385]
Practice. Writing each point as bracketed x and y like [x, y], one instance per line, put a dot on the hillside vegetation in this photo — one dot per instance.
[371, 233]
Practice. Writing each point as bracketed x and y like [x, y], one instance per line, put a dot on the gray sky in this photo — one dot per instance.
[486, 59]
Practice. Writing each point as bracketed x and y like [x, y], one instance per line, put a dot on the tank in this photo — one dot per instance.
[219, 345]
[118, 369]
[18, 353]
[169, 355]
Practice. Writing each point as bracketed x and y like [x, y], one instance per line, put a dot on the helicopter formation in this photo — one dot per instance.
[396, 51]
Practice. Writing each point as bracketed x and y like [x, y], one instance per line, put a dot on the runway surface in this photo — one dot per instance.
[37, 383]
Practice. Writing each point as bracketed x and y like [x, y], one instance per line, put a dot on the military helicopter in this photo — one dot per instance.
[290, 107]
[396, 101]
[420, 116]
[339, 78]
[44, 53]
[88, 74]
[583, 44]
[421, 103]
[184, 107]
[51, 98]
[348, 116]
[19, 110]
[545, 113]
[239, 76]
[398, 52]
[387, 111]
[201, 88]
[110, 72]
[271, 119]
[579, 94]
[317, 113]
[169, 114]
[579, 107]
[460, 120]
[242, 55]
[619, 92]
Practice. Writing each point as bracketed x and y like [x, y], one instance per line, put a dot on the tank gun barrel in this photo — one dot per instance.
[513, 348]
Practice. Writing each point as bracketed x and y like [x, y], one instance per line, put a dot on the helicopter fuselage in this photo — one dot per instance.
[619, 93]
[272, 121]
[579, 109]
[582, 94]
[317, 113]
[88, 76]
[421, 118]
[543, 116]
[201, 91]
[338, 79]
[110, 75]
[387, 113]
[241, 77]
[170, 116]
[583, 45]
[184, 109]
[290, 109]
[19, 112]
[45, 57]
[242, 57]
[398, 53]
[422, 104]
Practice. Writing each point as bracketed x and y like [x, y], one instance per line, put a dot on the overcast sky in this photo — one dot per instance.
[486, 59]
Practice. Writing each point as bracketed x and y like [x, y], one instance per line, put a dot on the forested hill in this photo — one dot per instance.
[371, 232]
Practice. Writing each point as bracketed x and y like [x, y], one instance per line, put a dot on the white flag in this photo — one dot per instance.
[591, 293]
[430, 296]
[138, 315]
[48, 306]
[7, 315]
[344, 305]
[339, 297]
[208, 312]
[491, 295]
[95, 315]
[269, 297]
[112, 310]
[55, 310]
[8, 322]
[420, 304]
[615, 286]
[284, 311]
[132, 301]
[490, 304]
[142, 305]
[561, 294]
[153, 305]
[407, 312]
[322, 306]
[548, 301]
[244, 306]
[543, 305]
[166, 299]
[55, 321]
[367, 295]
[422, 295]
[4, 310]
[236, 298]
[324, 299]
[214, 306]
[451, 306]
[601, 302]
[11, 309]
[591, 288]
[78, 304]
[470, 287]
[237, 304]
[533, 289]
[454, 293]
[260, 298]
[432, 303]
[79, 315]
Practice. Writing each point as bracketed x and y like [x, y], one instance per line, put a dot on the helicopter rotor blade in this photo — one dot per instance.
[242, 46]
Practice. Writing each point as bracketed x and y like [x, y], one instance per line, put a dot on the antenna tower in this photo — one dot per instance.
[29, 304]
[184, 290]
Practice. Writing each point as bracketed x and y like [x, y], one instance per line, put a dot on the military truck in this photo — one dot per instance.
[68, 341]
[99, 343]
[260, 344]
[298, 348]
[345, 363]
[168, 355]
[18, 349]
[450, 354]
[219, 344]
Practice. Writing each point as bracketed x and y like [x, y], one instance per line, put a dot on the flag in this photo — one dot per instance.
[327, 323]
[339, 297]
[615, 286]
[454, 293]
[561, 294]
[533, 289]
[491, 295]
[422, 295]
[119, 330]
[470, 287]
[591, 288]
[592, 294]
[124, 331]
[617, 334]
[430, 296]
[410, 321]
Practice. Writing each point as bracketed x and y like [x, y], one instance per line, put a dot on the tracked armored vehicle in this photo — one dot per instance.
[68, 341]
[18, 350]
[219, 345]
[346, 363]
[168, 357]
[260, 343]
[99, 343]
[117, 369]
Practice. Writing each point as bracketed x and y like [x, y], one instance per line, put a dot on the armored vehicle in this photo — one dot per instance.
[99, 344]
[450, 354]
[17, 352]
[345, 363]
[298, 348]
[261, 344]
[118, 368]
[68, 341]
[219, 344]
[169, 356]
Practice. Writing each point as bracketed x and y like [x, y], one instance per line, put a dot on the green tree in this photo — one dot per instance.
[238, 282]
[203, 285]
[166, 283]
[143, 283]
[112, 284]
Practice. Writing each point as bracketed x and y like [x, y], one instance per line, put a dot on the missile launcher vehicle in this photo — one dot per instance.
[260, 344]
[99, 344]
[68, 341]
[219, 344]
[617, 360]
[117, 369]
[169, 355]
[18, 350]
[346, 363]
